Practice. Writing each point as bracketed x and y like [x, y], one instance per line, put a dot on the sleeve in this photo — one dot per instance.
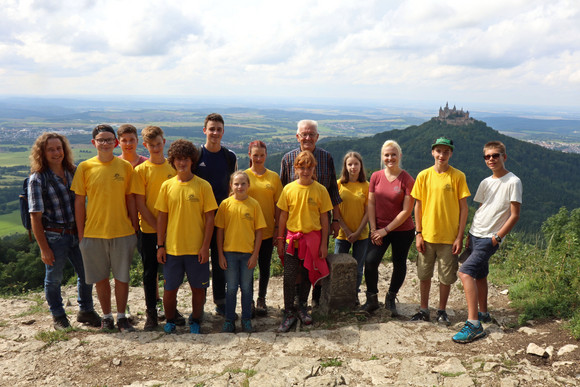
[333, 187]
[516, 192]
[138, 181]
[366, 193]
[409, 184]
[209, 202]
[35, 200]
[277, 187]
[259, 220]
[373, 182]
[325, 201]
[417, 192]
[282, 202]
[462, 188]
[480, 193]
[284, 170]
[78, 184]
[130, 173]
[161, 203]
[220, 220]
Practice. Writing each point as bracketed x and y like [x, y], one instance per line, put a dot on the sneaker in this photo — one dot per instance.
[91, 318]
[469, 333]
[229, 327]
[60, 323]
[221, 311]
[247, 326]
[124, 325]
[484, 317]
[420, 316]
[194, 328]
[179, 320]
[442, 318]
[304, 316]
[107, 324]
[169, 327]
[287, 323]
[160, 310]
[261, 308]
[152, 321]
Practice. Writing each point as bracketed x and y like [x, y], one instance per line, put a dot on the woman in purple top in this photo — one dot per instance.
[390, 206]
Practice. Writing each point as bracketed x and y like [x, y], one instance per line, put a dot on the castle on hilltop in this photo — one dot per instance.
[454, 116]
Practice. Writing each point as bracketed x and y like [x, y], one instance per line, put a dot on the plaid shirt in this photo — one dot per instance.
[58, 206]
[325, 173]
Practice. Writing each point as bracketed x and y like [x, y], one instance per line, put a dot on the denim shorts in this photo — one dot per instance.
[178, 265]
[477, 263]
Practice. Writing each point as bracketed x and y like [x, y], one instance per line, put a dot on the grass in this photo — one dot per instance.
[51, 337]
[451, 374]
[11, 224]
[37, 308]
[331, 363]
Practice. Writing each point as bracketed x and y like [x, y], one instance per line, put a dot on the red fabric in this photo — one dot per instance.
[308, 249]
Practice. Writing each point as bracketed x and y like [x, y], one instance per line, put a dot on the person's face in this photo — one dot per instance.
[305, 173]
[54, 152]
[214, 131]
[391, 157]
[307, 137]
[494, 159]
[257, 155]
[442, 154]
[353, 168]
[105, 142]
[128, 142]
[155, 146]
[182, 164]
[240, 185]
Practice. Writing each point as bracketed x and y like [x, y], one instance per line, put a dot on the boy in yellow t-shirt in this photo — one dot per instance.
[440, 216]
[185, 222]
[146, 184]
[107, 225]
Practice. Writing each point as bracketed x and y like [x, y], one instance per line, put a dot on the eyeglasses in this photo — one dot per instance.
[308, 135]
[103, 141]
[492, 156]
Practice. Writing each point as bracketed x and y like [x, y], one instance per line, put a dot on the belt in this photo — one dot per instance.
[69, 231]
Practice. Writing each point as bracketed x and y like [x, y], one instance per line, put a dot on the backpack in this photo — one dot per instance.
[24, 214]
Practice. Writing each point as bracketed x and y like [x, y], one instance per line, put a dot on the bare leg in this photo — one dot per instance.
[444, 291]
[425, 288]
[197, 302]
[121, 295]
[103, 288]
[471, 294]
[170, 303]
[482, 294]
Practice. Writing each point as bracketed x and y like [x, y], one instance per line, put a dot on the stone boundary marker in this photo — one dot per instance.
[339, 288]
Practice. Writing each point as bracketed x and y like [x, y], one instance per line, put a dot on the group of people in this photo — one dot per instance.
[196, 206]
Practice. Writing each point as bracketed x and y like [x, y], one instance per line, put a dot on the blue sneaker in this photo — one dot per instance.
[484, 317]
[194, 328]
[469, 333]
[229, 327]
[169, 327]
[247, 326]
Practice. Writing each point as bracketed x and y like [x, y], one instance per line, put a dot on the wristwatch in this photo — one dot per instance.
[417, 232]
[160, 246]
[497, 238]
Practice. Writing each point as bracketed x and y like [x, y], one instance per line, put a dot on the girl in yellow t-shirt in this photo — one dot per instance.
[239, 223]
[304, 204]
[353, 188]
[265, 187]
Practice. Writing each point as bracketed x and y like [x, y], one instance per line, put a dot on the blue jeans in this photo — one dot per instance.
[359, 251]
[238, 275]
[65, 246]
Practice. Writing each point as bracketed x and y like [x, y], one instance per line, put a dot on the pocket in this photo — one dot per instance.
[53, 237]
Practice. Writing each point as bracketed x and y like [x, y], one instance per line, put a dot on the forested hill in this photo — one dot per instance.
[550, 178]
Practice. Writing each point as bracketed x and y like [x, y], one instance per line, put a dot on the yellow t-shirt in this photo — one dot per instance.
[240, 219]
[439, 194]
[304, 204]
[266, 189]
[355, 197]
[186, 205]
[105, 185]
[147, 181]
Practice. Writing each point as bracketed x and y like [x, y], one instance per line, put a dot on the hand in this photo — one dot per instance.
[323, 251]
[467, 242]
[335, 229]
[376, 238]
[420, 243]
[253, 261]
[47, 257]
[457, 246]
[280, 247]
[493, 242]
[161, 255]
[203, 255]
[223, 262]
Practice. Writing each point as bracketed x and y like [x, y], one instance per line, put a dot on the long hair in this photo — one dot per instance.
[256, 144]
[38, 162]
[395, 145]
[344, 177]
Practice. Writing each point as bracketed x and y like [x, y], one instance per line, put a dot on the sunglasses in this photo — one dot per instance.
[492, 156]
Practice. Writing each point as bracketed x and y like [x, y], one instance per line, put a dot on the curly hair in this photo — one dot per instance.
[305, 159]
[38, 162]
[183, 149]
[344, 176]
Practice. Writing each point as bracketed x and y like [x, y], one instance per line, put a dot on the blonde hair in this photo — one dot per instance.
[394, 144]
[38, 162]
[236, 174]
[149, 133]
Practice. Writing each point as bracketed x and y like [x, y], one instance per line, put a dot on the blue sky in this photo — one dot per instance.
[467, 52]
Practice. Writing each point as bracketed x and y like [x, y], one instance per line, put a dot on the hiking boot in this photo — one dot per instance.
[152, 321]
[247, 326]
[304, 316]
[107, 324]
[124, 325]
[221, 310]
[90, 318]
[420, 316]
[372, 303]
[179, 320]
[287, 323]
[160, 310]
[469, 333]
[390, 304]
[442, 317]
[229, 327]
[60, 323]
[261, 308]
[169, 328]
[194, 328]
[484, 317]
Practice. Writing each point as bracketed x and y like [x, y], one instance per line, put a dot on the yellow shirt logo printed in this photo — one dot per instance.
[192, 198]
[249, 217]
[269, 187]
[448, 188]
[118, 177]
[312, 202]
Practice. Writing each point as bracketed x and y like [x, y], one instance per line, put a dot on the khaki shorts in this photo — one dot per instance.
[101, 256]
[447, 263]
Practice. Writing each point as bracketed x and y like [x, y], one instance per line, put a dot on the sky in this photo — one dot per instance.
[522, 52]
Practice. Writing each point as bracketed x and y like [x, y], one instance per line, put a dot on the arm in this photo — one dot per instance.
[400, 218]
[46, 253]
[161, 230]
[146, 215]
[80, 215]
[207, 234]
[371, 214]
[463, 211]
[335, 225]
[510, 222]
[257, 243]
[355, 235]
[281, 232]
[219, 236]
[132, 211]
[419, 242]
[324, 236]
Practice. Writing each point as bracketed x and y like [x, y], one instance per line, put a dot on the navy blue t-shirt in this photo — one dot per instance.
[216, 169]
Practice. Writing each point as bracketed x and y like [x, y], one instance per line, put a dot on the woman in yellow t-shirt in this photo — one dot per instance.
[265, 187]
[353, 188]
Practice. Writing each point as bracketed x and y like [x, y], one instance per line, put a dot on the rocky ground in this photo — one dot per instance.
[347, 348]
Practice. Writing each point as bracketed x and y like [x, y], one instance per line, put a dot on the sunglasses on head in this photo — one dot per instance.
[492, 156]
